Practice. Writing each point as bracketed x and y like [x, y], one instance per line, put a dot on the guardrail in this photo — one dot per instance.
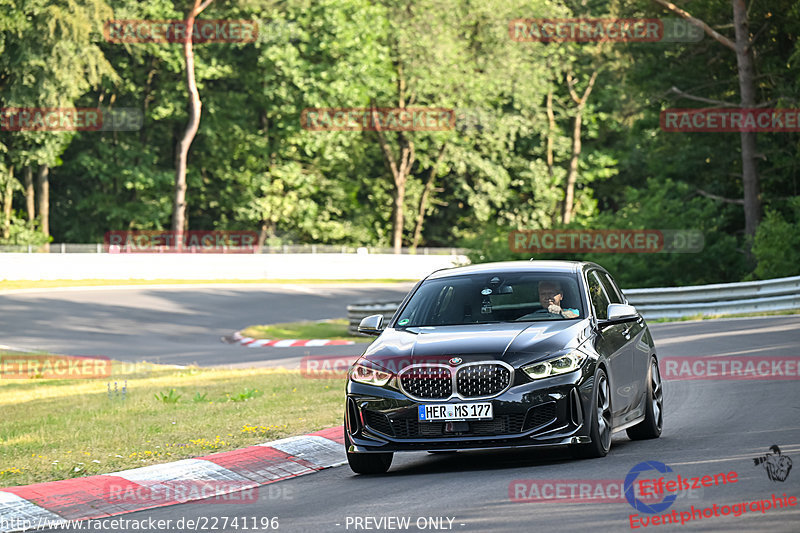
[717, 299]
[355, 313]
[669, 302]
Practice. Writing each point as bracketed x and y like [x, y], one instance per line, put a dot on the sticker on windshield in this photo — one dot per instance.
[486, 292]
[403, 322]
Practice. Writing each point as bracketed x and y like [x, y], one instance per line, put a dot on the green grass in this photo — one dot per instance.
[58, 429]
[337, 329]
[327, 329]
[712, 317]
[47, 284]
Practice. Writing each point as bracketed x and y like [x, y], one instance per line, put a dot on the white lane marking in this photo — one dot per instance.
[164, 478]
[317, 342]
[17, 510]
[317, 450]
[727, 333]
[284, 343]
[259, 343]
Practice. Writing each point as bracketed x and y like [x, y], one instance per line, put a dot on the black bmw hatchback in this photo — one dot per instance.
[500, 355]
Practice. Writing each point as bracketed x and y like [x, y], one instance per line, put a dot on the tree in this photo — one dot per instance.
[742, 46]
[195, 107]
[572, 171]
[49, 59]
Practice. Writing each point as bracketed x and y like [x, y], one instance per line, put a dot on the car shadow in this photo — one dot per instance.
[480, 460]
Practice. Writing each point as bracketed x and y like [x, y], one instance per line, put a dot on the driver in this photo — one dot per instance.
[550, 296]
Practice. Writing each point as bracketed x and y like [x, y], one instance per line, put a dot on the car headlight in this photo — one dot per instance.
[554, 366]
[370, 376]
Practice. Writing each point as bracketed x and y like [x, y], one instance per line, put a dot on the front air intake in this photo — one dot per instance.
[352, 416]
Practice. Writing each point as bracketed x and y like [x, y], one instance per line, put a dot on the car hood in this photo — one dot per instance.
[515, 343]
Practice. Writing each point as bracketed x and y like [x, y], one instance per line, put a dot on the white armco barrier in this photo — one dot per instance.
[222, 266]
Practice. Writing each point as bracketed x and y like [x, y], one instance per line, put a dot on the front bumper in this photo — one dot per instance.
[547, 412]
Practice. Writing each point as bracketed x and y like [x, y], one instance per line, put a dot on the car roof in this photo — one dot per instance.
[564, 267]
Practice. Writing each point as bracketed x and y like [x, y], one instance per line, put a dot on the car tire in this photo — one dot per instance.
[367, 463]
[599, 423]
[650, 427]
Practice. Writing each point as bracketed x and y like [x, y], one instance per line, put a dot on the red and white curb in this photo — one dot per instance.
[49, 504]
[238, 338]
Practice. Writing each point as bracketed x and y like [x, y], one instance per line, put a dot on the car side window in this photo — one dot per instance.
[598, 296]
[614, 296]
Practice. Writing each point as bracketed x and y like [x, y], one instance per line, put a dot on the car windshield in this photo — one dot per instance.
[487, 298]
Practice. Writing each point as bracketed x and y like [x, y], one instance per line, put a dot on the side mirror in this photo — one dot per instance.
[371, 325]
[619, 313]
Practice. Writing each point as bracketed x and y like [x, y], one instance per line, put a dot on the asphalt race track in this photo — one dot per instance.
[178, 325]
[710, 427]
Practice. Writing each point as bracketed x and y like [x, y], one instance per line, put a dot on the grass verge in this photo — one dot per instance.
[712, 317]
[58, 429]
[327, 329]
[57, 283]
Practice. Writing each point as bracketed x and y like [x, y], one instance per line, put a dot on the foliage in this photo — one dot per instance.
[777, 243]
[23, 233]
[168, 397]
[253, 166]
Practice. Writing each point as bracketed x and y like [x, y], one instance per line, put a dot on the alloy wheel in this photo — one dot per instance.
[604, 412]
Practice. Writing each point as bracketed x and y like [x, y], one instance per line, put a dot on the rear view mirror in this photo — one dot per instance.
[371, 325]
[619, 313]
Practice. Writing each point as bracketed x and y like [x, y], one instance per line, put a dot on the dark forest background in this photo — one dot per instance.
[509, 163]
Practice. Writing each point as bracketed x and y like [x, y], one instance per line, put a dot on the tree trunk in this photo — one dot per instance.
[8, 198]
[399, 216]
[747, 89]
[43, 180]
[572, 171]
[29, 194]
[267, 229]
[423, 200]
[400, 167]
[551, 128]
[400, 171]
[195, 107]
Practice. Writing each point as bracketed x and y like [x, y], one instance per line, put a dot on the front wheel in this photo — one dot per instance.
[600, 422]
[367, 463]
[650, 427]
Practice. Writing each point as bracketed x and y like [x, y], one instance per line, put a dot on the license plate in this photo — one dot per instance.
[455, 411]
